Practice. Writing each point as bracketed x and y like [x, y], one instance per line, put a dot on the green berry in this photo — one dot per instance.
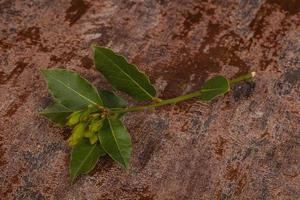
[95, 125]
[77, 134]
[93, 139]
[74, 118]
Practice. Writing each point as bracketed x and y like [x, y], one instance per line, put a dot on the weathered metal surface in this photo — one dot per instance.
[245, 145]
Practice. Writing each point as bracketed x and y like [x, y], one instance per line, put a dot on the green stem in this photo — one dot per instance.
[241, 78]
[177, 99]
[161, 103]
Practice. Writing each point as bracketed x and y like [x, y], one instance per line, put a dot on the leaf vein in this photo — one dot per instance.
[85, 159]
[82, 96]
[113, 133]
[128, 75]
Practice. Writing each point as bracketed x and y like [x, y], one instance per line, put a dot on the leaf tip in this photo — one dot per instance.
[73, 176]
[94, 46]
[44, 71]
[72, 179]
[127, 166]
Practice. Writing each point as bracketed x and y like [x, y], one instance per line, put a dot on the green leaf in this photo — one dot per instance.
[57, 113]
[84, 157]
[123, 75]
[110, 100]
[70, 89]
[116, 141]
[214, 87]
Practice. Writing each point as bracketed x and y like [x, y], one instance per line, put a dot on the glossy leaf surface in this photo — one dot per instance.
[84, 157]
[214, 87]
[111, 100]
[70, 89]
[123, 75]
[116, 141]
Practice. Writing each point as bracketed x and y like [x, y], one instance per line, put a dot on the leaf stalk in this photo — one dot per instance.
[177, 99]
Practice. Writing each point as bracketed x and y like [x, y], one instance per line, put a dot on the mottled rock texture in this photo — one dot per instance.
[245, 145]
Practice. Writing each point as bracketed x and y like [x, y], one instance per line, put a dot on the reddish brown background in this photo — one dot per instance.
[245, 145]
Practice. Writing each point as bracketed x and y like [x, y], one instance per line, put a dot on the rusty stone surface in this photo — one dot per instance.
[245, 145]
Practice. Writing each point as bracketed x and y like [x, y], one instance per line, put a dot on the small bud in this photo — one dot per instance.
[85, 115]
[95, 125]
[88, 134]
[74, 118]
[94, 116]
[77, 134]
[93, 139]
[157, 100]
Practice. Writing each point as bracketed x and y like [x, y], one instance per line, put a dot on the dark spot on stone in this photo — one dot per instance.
[152, 142]
[46, 101]
[246, 153]
[10, 182]
[14, 74]
[13, 107]
[232, 173]
[77, 9]
[104, 165]
[4, 45]
[2, 152]
[63, 58]
[293, 76]
[66, 132]
[219, 146]
[190, 20]
[187, 70]
[210, 11]
[44, 48]
[264, 193]
[283, 89]
[290, 6]
[287, 82]
[225, 196]
[141, 193]
[200, 175]
[265, 134]
[160, 125]
[30, 35]
[213, 30]
[240, 185]
[162, 2]
[106, 35]
[86, 62]
[5, 5]
[27, 191]
[258, 23]
[209, 120]
[243, 90]
[39, 160]
[55, 59]
[259, 143]
[149, 149]
[268, 111]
